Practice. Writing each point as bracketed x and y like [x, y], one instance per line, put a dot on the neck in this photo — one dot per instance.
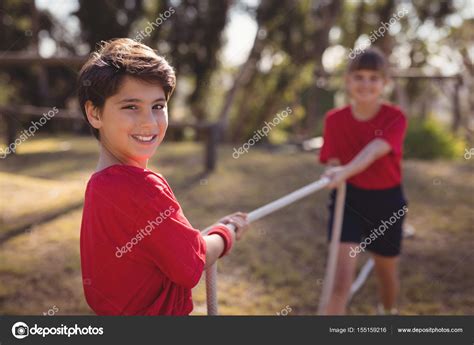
[107, 158]
[365, 111]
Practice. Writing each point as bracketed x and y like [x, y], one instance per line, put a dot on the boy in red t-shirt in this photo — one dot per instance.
[139, 253]
[363, 145]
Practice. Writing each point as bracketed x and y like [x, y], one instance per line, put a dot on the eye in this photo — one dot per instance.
[131, 107]
[159, 106]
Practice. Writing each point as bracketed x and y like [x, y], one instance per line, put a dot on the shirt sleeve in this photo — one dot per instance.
[176, 248]
[327, 150]
[394, 133]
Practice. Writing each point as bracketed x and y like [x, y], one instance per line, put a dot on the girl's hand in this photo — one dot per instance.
[337, 175]
[239, 220]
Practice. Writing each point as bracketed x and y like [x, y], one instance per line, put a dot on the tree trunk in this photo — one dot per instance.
[314, 111]
[245, 73]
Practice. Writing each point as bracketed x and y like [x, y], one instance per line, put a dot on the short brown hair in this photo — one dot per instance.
[372, 59]
[103, 73]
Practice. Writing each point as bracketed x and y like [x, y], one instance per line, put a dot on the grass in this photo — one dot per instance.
[281, 261]
[31, 199]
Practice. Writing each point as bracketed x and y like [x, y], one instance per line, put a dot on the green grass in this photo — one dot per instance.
[281, 262]
[27, 200]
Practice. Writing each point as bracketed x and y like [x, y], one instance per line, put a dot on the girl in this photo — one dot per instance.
[363, 147]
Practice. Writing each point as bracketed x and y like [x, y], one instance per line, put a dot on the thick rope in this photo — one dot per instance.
[211, 273]
[330, 274]
[211, 290]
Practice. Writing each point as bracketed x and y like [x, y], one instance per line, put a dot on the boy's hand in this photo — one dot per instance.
[337, 175]
[239, 220]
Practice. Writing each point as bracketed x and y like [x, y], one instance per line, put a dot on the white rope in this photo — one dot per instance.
[331, 264]
[211, 272]
[361, 278]
[288, 199]
[211, 289]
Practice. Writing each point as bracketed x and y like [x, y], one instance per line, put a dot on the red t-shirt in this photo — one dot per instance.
[139, 254]
[345, 137]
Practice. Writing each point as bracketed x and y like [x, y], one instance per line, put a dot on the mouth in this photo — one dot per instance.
[145, 139]
[365, 93]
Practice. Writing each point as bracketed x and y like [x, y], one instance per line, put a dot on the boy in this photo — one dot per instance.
[139, 254]
[363, 144]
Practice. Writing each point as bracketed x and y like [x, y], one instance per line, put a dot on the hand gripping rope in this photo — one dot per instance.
[211, 272]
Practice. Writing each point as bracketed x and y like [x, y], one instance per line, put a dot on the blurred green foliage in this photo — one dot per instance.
[429, 139]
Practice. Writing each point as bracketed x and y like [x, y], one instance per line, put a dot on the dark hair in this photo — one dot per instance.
[103, 73]
[372, 59]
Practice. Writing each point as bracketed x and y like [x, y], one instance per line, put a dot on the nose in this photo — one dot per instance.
[365, 82]
[147, 118]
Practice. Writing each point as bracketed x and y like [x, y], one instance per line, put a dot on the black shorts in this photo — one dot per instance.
[372, 219]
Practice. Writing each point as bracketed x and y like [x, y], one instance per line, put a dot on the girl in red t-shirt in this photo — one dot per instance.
[363, 144]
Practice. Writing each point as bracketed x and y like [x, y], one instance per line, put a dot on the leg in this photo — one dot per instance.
[345, 270]
[386, 269]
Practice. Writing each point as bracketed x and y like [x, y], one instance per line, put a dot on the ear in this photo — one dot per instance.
[93, 115]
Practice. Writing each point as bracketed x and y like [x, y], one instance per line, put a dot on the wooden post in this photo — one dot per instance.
[457, 117]
[11, 129]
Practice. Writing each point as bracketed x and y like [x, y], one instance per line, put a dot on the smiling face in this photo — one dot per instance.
[132, 122]
[365, 86]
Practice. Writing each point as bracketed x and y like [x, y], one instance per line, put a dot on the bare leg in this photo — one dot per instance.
[386, 269]
[345, 270]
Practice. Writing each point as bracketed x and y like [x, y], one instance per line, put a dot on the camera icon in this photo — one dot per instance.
[20, 330]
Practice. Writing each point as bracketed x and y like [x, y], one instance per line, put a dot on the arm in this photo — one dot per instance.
[214, 249]
[215, 243]
[333, 162]
[369, 154]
